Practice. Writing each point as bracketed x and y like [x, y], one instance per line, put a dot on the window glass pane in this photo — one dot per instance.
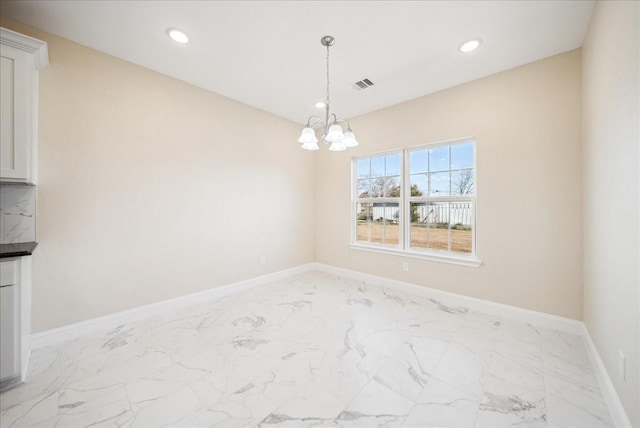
[418, 161]
[364, 188]
[438, 230]
[363, 222]
[393, 164]
[391, 227]
[439, 184]
[377, 187]
[392, 187]
[363, 168]
[462, 182]
[439, 159]
[419, 185]
[377, 225]
[418, 215]
[462, 156]
[377, 166]
[461, 227]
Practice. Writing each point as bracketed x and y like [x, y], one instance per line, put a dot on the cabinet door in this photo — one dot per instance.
[8, 333]
[16, 86]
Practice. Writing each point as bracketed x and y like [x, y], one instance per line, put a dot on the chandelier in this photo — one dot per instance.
[332, 132]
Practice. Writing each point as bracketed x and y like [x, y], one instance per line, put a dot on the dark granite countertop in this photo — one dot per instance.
[17, 250]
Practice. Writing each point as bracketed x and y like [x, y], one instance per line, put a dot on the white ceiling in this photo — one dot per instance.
[268, 53]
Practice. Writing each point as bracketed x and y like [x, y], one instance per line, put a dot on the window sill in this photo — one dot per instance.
[453, 259]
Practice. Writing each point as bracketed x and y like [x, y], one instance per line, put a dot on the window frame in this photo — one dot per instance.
[355, 200]
[404, 202]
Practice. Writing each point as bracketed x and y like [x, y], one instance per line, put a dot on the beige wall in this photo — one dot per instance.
[527, 126]
[150, 188]
[611, 90]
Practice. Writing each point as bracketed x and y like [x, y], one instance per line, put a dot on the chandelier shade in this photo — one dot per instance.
[308, 136]
[310, 146]
[349, 139]
[335, 134]
[332, 132]
[337, 146]
[308, 139]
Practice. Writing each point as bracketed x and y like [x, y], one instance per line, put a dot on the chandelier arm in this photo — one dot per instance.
[345, 121]
[313, 117]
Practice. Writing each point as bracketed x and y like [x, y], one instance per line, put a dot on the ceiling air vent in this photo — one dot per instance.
[362, 84]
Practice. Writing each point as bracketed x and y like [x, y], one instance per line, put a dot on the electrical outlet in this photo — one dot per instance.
[405, 267]
[263, 260]
[621, 365]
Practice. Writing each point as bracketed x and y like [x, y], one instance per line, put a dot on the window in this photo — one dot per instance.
[378, 195]
[418, 201]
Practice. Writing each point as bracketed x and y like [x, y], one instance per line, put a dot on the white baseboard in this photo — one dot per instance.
[619, 416]
[107, 323]
[539, 319]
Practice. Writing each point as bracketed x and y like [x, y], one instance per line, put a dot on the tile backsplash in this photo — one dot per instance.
[17, 213]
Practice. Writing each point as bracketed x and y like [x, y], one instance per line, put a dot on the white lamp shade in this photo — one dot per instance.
[349, 139]
[310, 146]
[335, 134]
[337, 146]
[308, 136]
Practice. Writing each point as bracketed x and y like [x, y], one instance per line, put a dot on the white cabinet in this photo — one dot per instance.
[9, 323]
[15, 319]
[9, 345]
[20, 59]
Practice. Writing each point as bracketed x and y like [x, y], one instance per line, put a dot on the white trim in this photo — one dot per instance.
[25, 314]
[445, 257]
[107, 323]
[619, 416]
[539, 319]
[28, 44]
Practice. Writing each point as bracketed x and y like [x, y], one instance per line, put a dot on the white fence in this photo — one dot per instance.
[425, 212]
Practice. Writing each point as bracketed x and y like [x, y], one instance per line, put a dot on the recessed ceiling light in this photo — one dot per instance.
[470, 45]
[320, 104]
[177, 35]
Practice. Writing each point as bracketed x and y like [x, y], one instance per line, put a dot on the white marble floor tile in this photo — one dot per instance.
[442, 405]
[464, 368]
[409, 369]
[507, 402]
[571, 403]
[31, 411]
[313, 350]
[378, 400]
[166, 410]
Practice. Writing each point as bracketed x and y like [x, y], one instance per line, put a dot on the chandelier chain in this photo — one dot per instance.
[327, 76]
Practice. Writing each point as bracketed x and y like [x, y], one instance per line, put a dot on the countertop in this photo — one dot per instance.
[17, 250]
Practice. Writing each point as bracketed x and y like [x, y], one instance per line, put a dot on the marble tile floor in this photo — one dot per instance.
[313, 350]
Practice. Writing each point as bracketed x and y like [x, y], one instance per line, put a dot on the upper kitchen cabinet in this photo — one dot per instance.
[22, 56]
